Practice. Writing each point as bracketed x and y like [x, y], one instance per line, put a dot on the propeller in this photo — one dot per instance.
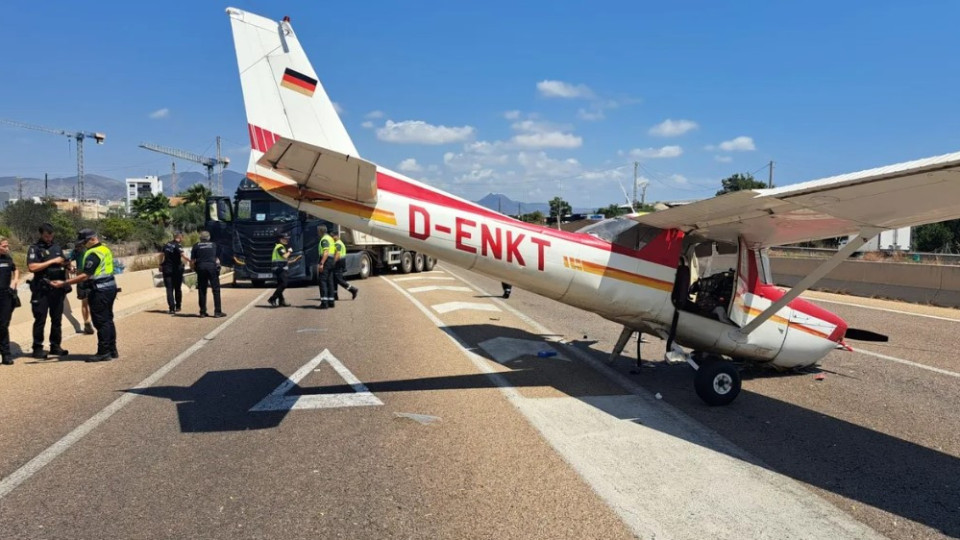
[860, 334]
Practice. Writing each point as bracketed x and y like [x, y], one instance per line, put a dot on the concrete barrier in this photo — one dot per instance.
[910, 282]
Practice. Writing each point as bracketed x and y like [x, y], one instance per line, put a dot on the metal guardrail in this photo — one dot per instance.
[899, 256]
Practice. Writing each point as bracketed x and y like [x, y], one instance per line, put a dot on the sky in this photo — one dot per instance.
[529, 99]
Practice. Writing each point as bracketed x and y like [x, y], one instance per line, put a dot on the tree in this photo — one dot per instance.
[187, 218]
[24, 217]
[739, 182]
[195, 195]
[533, 217]
[116, 229]
[933, 237]
[559, 204]
[612, 211]
[154, 209]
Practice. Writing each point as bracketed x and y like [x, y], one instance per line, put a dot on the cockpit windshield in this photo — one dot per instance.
[264, 211]
[623, 232]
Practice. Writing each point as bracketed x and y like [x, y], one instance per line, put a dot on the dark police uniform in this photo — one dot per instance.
[98, 265]
[7, 268]
[172, 270]
[327, 285]
[204, 257]
[44, 298]
[339, 269]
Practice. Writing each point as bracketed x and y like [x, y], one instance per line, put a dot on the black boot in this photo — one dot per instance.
[7, 360]
[354, 291]
[56, 350]
[39, 354]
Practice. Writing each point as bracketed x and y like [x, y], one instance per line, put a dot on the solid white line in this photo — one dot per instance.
[447, 307]
[429, 288]
[30, 468]
[851, 304]
[908, 362]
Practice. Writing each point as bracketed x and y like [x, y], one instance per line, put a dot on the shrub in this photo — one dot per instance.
[151, 237]
[117, 229]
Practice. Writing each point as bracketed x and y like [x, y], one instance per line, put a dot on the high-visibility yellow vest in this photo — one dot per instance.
[278, 251]
[331, 248]
[341, 248]
[105, 268]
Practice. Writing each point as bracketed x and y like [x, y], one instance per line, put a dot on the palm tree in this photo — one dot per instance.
[155, 209]
[196, 194]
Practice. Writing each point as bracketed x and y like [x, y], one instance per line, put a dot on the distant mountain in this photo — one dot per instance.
[108, 189]
[231, 179]
[504, 205]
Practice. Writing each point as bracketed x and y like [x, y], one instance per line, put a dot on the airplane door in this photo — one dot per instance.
[739, 310]
[219, 224]
[752, 295]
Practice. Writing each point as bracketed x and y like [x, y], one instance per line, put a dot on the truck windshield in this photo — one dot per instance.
[248, 210]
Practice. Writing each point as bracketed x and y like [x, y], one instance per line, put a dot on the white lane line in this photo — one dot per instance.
[423, 277]
[897, 311]
[429, 288]
[620, 445]
[447, 307]
[31, 467]
[908, 363]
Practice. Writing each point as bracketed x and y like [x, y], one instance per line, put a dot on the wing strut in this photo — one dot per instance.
[865, 236]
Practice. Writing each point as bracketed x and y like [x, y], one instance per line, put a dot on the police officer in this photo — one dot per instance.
[204, 260]
[9, 279]
[97, 268]
[340, 267]
[328, 252]
[280, 259]
[171, 266]
[45, 259]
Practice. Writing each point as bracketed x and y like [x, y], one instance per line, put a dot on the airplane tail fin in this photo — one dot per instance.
[281, 93]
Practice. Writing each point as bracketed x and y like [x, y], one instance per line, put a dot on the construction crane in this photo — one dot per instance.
[207, 162]
[78, 135]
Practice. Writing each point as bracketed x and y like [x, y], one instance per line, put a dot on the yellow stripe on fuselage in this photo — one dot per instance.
[339, 205]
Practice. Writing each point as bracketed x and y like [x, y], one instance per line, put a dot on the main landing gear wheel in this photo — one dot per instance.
[717, 382]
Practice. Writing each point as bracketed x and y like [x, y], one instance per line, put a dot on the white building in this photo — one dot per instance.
[142, 187]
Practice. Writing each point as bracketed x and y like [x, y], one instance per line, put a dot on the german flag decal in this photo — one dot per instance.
[298, 82]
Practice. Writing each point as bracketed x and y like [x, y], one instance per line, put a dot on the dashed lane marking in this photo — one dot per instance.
[411, 278]
[447, 307]
[429, 288]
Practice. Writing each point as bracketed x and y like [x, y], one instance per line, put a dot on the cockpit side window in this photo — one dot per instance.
[623, 232]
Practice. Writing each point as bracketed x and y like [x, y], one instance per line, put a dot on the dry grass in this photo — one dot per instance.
[143, 262]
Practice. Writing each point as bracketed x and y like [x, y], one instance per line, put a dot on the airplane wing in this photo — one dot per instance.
[323, 170]
[900, 195]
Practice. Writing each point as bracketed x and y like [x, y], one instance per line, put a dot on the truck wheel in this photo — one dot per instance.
[406, 262]
[366, 267]
[428, 263]
[418, 262]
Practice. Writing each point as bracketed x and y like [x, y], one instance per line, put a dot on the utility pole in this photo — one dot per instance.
[635, 165]
[770, 177]
[173, 178]
[19, 189]
[220, 169]
[643, 196]
[46, 184]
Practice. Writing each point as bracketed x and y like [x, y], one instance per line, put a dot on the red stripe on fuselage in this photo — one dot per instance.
[663, 250]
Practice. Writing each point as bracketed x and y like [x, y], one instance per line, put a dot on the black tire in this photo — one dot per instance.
[428, 263]
[406, 262]
[717, 383]
[366, 265]
[418, 262]
[257, 282]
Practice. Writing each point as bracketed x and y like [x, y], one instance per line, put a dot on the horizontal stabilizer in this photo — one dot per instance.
[323, 170]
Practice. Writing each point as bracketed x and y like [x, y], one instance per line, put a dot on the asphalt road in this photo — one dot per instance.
[439, 411]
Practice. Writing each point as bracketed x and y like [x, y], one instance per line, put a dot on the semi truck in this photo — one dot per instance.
[246, 229]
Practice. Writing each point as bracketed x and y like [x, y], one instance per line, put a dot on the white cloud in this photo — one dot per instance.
[560, 89]
[679, 179]
[549, 139]
[591, 116]
[654, 153]
[160, 113]
[337, 107]
[409, 165]
[673, 128]
[738, 144]
[723, 159]
[539, 164]
[368, 124]
[511, 115]
[374, 114]
[420, 132]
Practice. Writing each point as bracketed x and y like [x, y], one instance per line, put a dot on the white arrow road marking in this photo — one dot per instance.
[454, 306]
[429, 288]
[278, 400]
[411, 278]
[504, 349]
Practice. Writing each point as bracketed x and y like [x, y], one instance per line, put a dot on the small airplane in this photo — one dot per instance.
[696, 275]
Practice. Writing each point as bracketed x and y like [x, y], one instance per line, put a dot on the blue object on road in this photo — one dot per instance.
[546, 354]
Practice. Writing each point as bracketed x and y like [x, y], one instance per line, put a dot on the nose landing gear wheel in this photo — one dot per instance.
[717, 383]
